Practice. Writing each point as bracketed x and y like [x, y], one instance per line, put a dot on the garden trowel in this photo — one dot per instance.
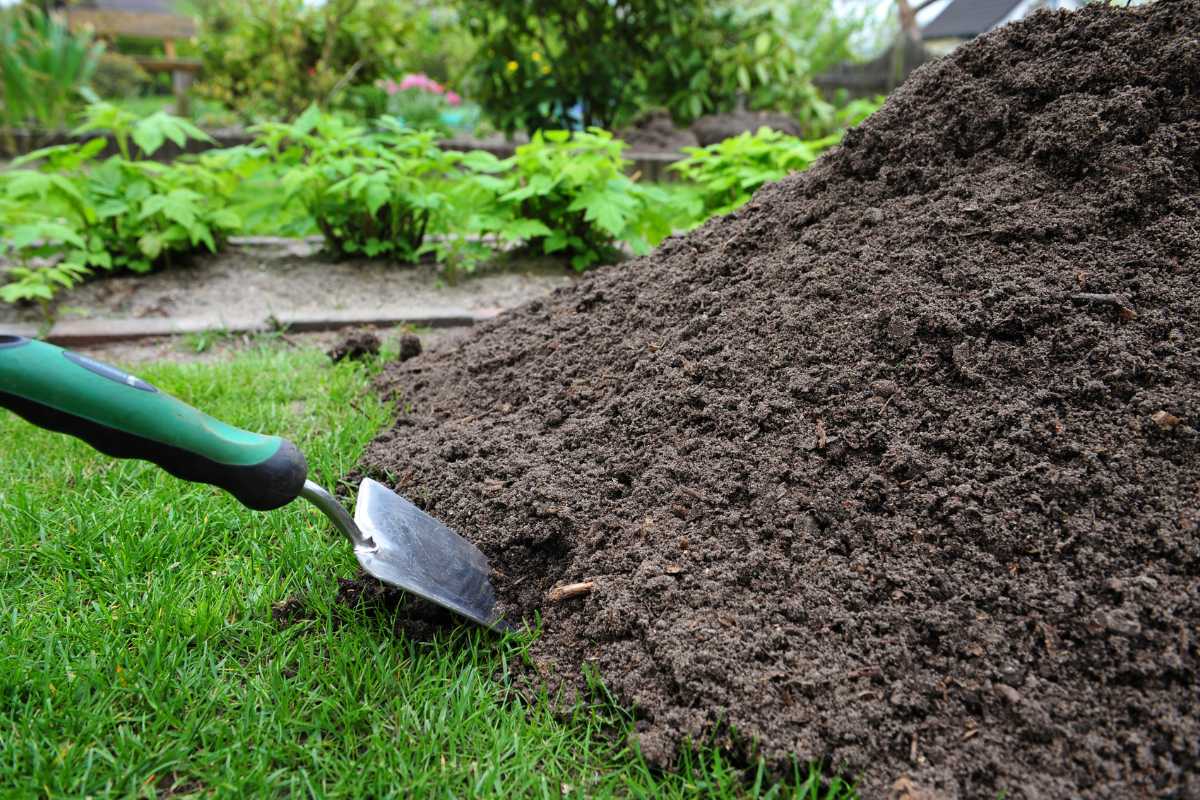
[125, 417]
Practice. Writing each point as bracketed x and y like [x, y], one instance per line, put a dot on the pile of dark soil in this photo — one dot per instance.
[715, 128]
[897, 466]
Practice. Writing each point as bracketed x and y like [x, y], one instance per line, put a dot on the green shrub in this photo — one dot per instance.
[730, 172]
[119, 76]
[600, 62]
[62, 212]
[421, 102]
[532, 67]
[760, 55]
[273, 58]
[371, 193]
[568, 194]
[439, 44]
[43, 68]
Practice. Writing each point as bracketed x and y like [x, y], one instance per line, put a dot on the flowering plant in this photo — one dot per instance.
[422, 83]
[420, 101]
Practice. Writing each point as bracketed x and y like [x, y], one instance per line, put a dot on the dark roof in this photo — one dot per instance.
[967, 18]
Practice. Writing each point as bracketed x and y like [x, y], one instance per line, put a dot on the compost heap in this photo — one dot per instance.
[896, 468]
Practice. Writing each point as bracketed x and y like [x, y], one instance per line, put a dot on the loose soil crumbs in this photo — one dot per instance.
[356, 346]
[410, 346]
[866, 472]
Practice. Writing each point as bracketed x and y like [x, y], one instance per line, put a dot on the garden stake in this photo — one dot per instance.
[125, 417]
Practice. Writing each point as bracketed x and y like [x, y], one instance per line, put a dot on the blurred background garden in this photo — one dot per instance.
[136, 134]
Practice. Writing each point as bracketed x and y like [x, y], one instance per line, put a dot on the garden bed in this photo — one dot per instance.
[649, 163]
[896, 468]
[258, 279]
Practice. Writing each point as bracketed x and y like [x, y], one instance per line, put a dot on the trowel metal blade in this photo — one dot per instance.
[414, 551]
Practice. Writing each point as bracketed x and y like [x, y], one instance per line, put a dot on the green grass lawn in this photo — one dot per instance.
[139, 655]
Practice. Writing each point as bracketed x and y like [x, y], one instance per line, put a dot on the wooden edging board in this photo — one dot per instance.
[83, 332]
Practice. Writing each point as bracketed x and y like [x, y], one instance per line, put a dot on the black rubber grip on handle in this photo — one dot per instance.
[261, 487]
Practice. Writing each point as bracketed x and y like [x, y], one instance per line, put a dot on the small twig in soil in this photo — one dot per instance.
[560, 593]
[822, 436]
[1115, 300]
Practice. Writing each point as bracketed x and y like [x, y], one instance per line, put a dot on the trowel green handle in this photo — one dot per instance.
[125, 417]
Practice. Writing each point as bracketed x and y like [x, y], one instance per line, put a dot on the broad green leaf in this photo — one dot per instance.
[483, 161]
[151, 245]
[608, 209]
[148, 138]
[307, 121]
[521, 229]
[378, 194]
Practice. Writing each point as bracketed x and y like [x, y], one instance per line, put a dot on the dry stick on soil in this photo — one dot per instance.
[1116, 300]
[560, 593]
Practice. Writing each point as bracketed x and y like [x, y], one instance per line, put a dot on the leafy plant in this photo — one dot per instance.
[569, 63]
[45, 236]
[118, 75]
[272, 58]
[419, 101]
[730, 172]
[568, 193]
[440, 45]
[372, 193]
[62, 212]
[572, 63]
[147, 133]
[762, 55]
[43, 68]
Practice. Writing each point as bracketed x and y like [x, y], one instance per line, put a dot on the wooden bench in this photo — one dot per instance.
[168, 28]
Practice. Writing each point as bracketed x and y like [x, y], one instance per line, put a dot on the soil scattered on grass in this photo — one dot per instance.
[290, 611]
[865, 471]
[410, 346]
[355, 346]
[420, 619]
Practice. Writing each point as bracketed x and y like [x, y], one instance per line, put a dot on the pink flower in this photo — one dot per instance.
[421, 81]
[453, 99]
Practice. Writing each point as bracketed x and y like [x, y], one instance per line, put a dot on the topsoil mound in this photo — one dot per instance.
[895, 468]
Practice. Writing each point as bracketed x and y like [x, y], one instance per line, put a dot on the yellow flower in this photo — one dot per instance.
[545, 70]
[512, 66]
[536, 56]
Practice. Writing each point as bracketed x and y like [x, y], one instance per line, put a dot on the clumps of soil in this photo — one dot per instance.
[410, 346]
[865, 471]
[420, 620]
[655, 132]
[356, 346]
[290, 611]
[714, 128]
